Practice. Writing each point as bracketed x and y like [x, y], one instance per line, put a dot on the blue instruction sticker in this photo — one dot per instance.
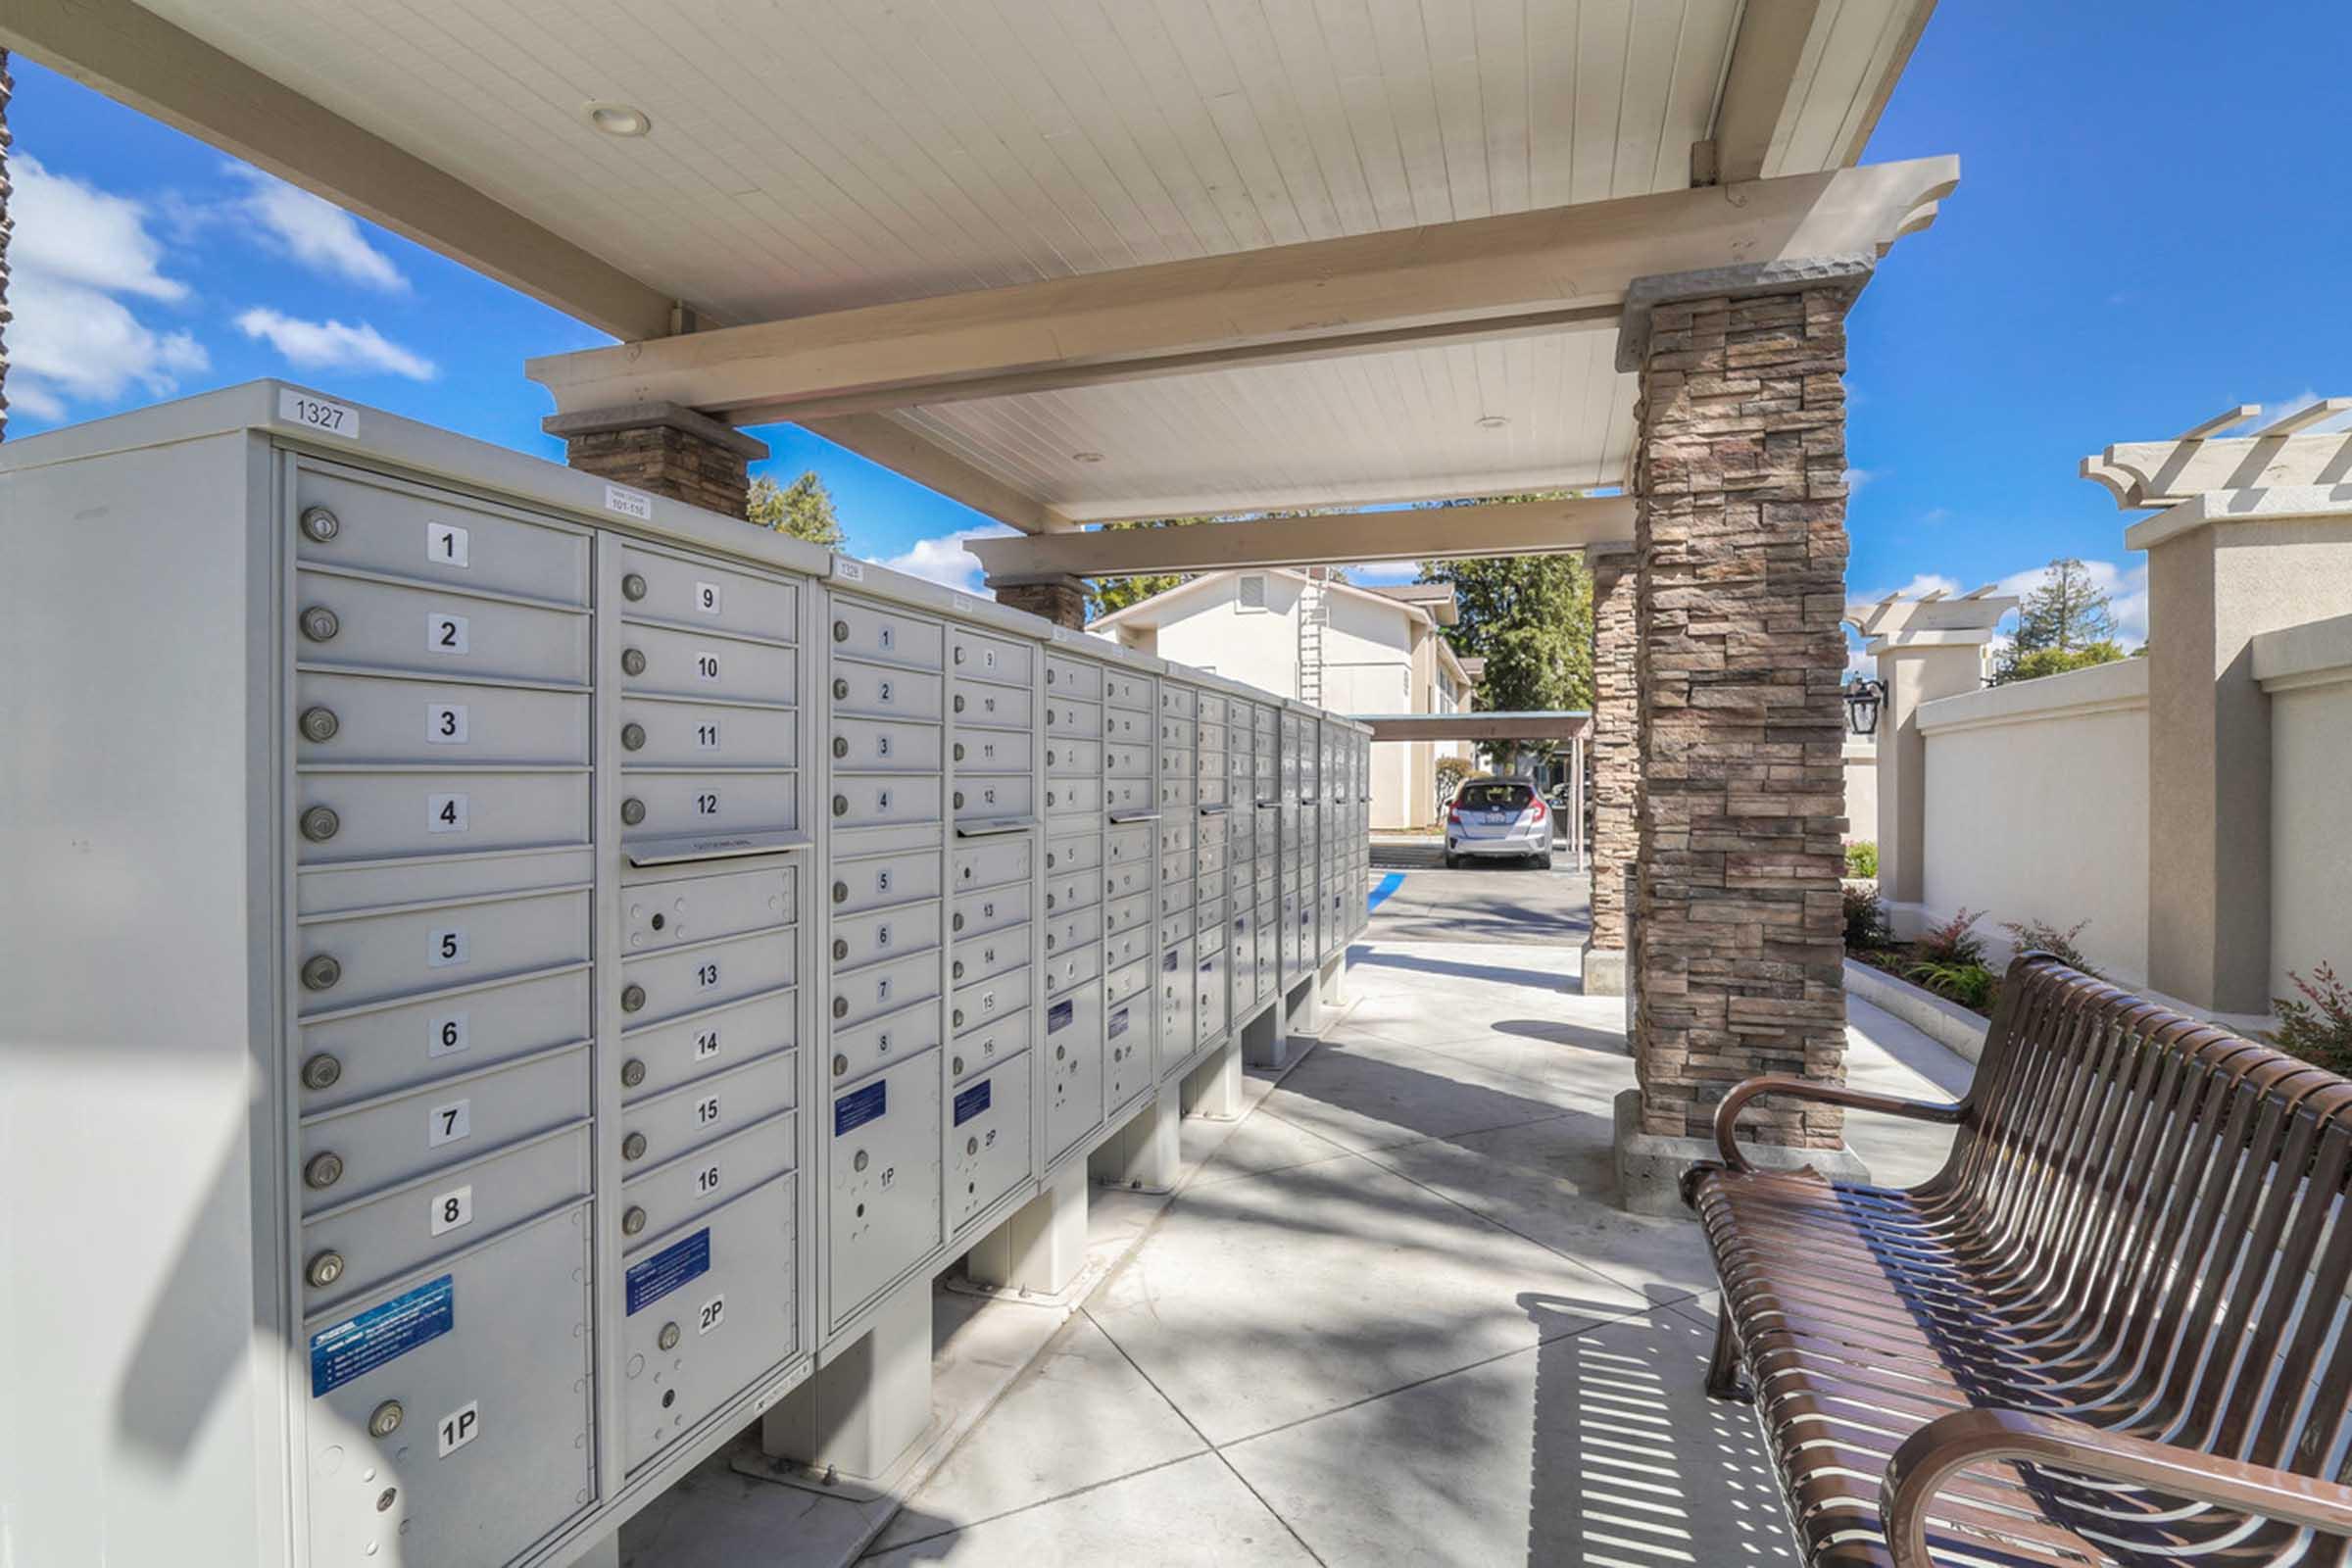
[1118, 1026]
[667, 1269]
[853, 1110]
[1172, 960]
[971, 1103]
[1061, 1012]
[361, 1345]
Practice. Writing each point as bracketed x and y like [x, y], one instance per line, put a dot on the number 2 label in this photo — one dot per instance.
[445, 634]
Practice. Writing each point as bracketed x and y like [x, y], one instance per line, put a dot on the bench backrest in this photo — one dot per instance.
[2169, 1198]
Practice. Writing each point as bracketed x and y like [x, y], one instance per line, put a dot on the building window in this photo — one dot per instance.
[1250, 593]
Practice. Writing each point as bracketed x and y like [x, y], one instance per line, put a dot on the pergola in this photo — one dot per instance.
[1075, 264]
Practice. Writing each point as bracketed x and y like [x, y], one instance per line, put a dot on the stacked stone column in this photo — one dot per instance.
[1616, 764]
[1740, 534]
[663, 449]
[1061, 601]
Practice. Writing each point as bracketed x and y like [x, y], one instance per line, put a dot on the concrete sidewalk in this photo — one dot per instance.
[1392, 1316]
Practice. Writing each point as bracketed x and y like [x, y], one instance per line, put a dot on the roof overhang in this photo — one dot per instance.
[1565, 725]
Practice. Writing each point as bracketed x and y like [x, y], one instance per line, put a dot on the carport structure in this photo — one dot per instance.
[1075, 262]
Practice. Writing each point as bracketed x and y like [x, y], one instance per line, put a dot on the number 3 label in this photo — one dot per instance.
[445, 725]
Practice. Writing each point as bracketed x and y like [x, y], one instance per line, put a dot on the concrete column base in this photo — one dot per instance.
[606, 1553]
[1146, 1155]
[1264, 1041]
[859, 1413]
[1040, 1247]
[1650, 1165]
[1604, 969]
[1302, 1008]
[1213, 1091]
[1332, 980]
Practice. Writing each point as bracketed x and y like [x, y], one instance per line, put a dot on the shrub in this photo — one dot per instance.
[1955, 941]
[1866, 925]
[1968, 983]
[2039, 936]
[2318, 1025]
[1862, 859]
[1452, 770]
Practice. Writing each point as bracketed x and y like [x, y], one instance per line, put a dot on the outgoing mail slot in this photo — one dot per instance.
[991, 953]
[858, 940]
[676, 1189]
[359, 718]
[989, 797]
[974, 657]
[662, 1057]
[666, 911]
[879, 1043]
[882, 988]
[376, 815]
[872, 801]
[868, 746]
[996, 908]
[1070, 759]
[987, 863]
[865, 631]
[706, 1110]
[882, 880]
[976, 1051]
[991, 706]
[1068, 677]
[664, 985]
[400, 1228]
[1068, 931]
[408, 530]
[1082, 721]
[378, 1051]
[988, 1140]
[1123, 690]
[1073, 797]
[413, 950]
[1072, 1063]
[675, 662]
[695, 593]
[997, 997]
[702, 800]
[721, 1292]
[883, 1170]
[991, 751]
[375, 625]
[1127, 980]
[383, 1143]
[1128, 726]
[664, 732]
[883, 691]
[1081, 852]
[488, 1362]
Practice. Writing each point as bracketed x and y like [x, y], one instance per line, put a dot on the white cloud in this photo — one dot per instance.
[2126, 585]
[333, 346]
[316, 233]
[2304, 399]
[76, 248]
[944, 560]
[1857, 479]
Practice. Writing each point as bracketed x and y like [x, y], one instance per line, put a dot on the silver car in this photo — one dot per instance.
[1497, 817]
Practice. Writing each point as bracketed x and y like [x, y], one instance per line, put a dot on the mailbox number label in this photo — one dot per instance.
[705, 1045]
[445, 813]
[450, 1123]
[705, 1181]
[445, 634]
[453, 1209]
[445, 949]
[705, 598]
[706, 737]
[713, 1314]
[446, 1037]
[461, 1427]
[707, 1113]
[444, 545]
[706, 803]
[706, 976]
[705, 666]
[445, 725]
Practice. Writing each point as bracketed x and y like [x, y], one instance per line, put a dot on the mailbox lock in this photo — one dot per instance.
[841, 893]
[320, 623]
[841, 805]
[1060, 1051]
[668, 1339]
[958, 1018]
[971, 1145]
[632, 1220]
[1052, 860]
[841, 746]
[320, 723]
[840, 1006]
[959, 922]
[385, 1498]
[959, 653]
[959, 702]
[320, 823]
[632, 997]
[959, 969]
[841, 1063]
[632, 737]
[859, 1162]
[384, 1420]
[841, 631]
[632, 661]
[324, 1270]
[841, 690]
[960, 799]
[632, 586]
[960, 751]
[958, 1070]
[632, 810]
[632, 1074]
[320, 971]
[633, 1146]
[323, 1170]
[320, 525]
[321, 1071]
[1048, 674]
[841, 948]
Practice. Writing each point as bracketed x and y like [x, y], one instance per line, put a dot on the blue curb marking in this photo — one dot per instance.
[1380, 890]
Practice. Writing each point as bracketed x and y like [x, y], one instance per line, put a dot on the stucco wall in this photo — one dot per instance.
[2038, 808]
[2307, 671]
[1861, 792]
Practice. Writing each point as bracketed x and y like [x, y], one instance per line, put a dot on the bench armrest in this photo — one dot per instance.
[1726, 1110]
[1932, 1454]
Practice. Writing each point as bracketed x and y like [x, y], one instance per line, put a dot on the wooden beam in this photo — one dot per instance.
[1413, 533]
[881, 439]
[1759, 83]
[1478, 275]
[1562, 725]
[135, 57]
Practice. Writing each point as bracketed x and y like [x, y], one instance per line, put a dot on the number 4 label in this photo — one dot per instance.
[461, 1427]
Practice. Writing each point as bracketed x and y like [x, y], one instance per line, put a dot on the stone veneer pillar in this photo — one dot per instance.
[1740, 530]
[1616, 764]
[1061, 601]
[664, 449]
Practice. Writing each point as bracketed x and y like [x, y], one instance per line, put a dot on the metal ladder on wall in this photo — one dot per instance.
[1314, 616]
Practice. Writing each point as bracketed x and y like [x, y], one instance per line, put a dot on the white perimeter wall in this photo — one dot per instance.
[1861, 792]
[2038, 808]
[2307, 671]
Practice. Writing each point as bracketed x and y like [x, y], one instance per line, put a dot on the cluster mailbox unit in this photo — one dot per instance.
[518, 978]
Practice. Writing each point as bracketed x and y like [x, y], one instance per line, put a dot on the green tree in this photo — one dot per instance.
[1530, 617]
[1106, 596]
[2064, 624]
[803, 508]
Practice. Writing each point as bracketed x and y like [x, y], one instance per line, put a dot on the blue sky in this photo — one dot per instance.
[2152, 224]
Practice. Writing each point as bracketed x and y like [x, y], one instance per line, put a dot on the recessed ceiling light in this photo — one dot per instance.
[1493, 421]
[618, 120]
[1087, 456]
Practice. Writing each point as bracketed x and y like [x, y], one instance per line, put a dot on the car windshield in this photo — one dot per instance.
[1495, 797]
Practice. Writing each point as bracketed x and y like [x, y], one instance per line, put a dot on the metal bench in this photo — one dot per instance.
[2113, 1329]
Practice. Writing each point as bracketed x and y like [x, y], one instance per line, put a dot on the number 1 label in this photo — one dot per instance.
[444, 545]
